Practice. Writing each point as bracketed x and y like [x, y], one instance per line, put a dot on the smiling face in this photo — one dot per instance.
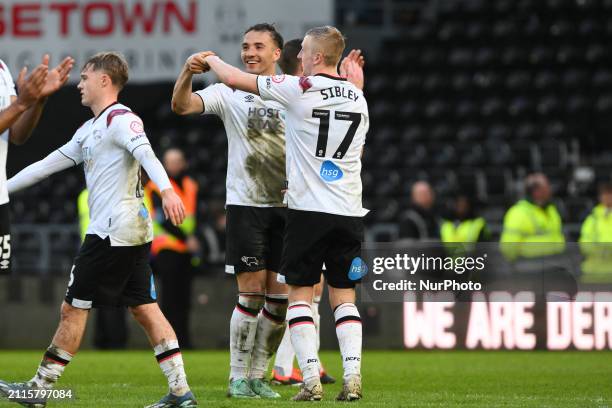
[259, 53]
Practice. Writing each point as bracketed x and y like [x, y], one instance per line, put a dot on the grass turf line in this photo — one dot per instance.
[391, 379]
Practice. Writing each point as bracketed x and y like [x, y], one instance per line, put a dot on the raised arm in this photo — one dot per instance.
[35, 91]
[232, 76]
[184, 101]
[35, 172]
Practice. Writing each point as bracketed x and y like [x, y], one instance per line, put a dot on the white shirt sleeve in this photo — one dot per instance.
[128, 132]
[72, 150]
[214, 97]
[281, 88]
[35, 172]
[6, 74]
[147, 159]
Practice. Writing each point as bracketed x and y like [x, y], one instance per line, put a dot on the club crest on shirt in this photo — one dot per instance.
[136, 126]
[277, 79]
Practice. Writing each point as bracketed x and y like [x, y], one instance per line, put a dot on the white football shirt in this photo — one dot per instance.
[326, 126]
[7, 89]
[256, 145]
[105, 146]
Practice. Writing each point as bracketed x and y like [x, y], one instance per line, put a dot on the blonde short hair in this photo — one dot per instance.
[329, 41]
[113, 64]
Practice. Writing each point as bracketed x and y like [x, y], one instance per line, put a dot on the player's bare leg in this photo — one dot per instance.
[348, 330]
[65, 344]
[168, 355]
[243, 329]
[316, 300]
[304, 341]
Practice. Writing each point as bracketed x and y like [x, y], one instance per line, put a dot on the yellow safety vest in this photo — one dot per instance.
[531, 231]
[465, 232]
[596, 246]
[83, 209]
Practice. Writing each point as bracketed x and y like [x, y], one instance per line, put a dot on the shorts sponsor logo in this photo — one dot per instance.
[136, 126]
[330, 172]
[358, 269]
[250, 260]
[277, 79]
[153, 291]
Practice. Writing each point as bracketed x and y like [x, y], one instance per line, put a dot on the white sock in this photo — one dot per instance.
[270, 329]
[304, 340]
[243, 328]
[317, 318]
[170, 359]
[283, 364]
[348, 330]
[51, 367]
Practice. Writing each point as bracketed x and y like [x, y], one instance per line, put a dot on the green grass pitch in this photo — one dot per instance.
[391, 379]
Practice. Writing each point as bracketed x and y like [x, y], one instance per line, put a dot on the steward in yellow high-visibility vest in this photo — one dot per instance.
[463, 229]
[533, 227]
[596, 240]
[83, 209]
[175, 248]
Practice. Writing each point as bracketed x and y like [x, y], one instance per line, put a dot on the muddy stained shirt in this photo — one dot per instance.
[7, 89]
[256, 145]
[105, 146]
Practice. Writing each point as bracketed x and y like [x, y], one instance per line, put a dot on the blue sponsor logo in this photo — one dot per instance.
[144, 213]
[330, 172]
[153, 291]
[358, 269]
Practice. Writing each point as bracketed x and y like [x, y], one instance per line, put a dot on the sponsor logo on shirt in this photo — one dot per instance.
[249, 98]
[330, 172]
[268, 83]
[135, 138]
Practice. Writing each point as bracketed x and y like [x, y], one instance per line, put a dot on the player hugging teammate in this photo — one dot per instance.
[326, 124]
